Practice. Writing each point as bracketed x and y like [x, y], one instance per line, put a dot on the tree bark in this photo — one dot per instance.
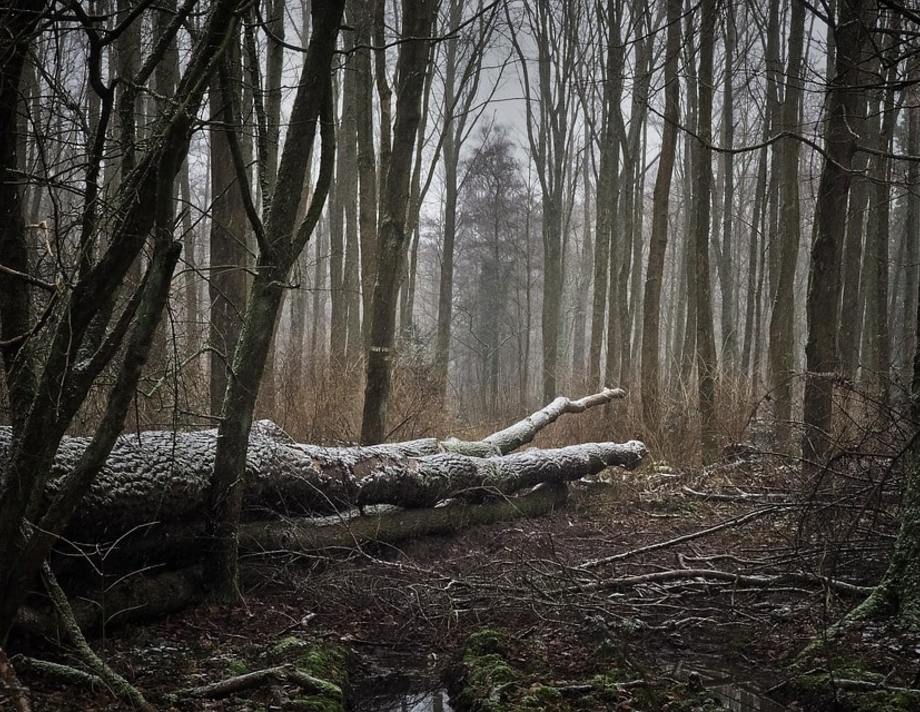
[65, 371]
[608, 170]
[782, 346]
[658, 245]
[163, 476]
[705, 340]
[417, 22]
[844, 99]
[280, 243]
[228, 253]
[726, 258]
[878, 358]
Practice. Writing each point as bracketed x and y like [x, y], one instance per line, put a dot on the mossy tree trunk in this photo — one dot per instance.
[898, 594]
[280, 242]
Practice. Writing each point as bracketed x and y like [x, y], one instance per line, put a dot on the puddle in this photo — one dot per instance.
[429, 701]
[737, 695]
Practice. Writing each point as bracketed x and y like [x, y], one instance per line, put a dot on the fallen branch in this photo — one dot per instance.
[65, 674]
[756, 497]
[716, 576]
[123, 689]
[524, 431]
[393, 526]
[247, 681]
[734, 522]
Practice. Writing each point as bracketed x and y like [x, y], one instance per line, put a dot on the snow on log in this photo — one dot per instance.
[163, 476]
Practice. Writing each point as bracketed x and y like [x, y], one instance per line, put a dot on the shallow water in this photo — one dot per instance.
[401, 694]
[430, 701]
[738, 695]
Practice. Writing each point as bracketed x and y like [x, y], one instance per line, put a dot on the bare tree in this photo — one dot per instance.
[47, 385]
[651, 320]
[550, 107]
[280, 242]
[843, 110]
[417, 19]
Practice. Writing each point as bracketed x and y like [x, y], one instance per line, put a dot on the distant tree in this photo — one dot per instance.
[782, 315]
[551, 109]
[492, 198]
[705, 340]
[659, 239]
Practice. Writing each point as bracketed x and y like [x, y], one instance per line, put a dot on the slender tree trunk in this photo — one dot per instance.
[651, 313]
[727, 279]
[193, 319]
[228, 254]
[754, 252]
[705, 341]
[280, 244]
[688, 335]
[851, 326]
[418, 19]
[608, 170]
[338, 318]
[844, 101]
[911, 227]
[347, 193]
[782, 346]
[362, 19]
[318, 315]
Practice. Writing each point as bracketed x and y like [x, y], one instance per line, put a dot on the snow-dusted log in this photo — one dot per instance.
[503, 442]
[163, 476]
[524, 431]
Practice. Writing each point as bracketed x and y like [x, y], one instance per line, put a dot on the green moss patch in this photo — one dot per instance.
[327, 663]
[488, 679]
[848, 689]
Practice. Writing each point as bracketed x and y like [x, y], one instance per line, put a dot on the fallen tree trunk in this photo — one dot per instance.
[142, 597]
[163, 476]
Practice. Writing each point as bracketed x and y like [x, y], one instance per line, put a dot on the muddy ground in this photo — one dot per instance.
[405, 614]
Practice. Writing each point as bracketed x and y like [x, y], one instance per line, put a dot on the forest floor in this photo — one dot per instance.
[406, 613]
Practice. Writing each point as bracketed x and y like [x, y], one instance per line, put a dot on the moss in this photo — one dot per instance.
[235, 666]
[687, 698]
[325, 661]
[485, 641]
[818, 690]
[314, 703]
[540, 697]
[885, 701]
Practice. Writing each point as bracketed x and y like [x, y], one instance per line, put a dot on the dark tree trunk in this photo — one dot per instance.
[844, 101]
[228, 254]
[651, 316]
[418, 19]
[782, 345]
[705, 340]
[280, 242]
